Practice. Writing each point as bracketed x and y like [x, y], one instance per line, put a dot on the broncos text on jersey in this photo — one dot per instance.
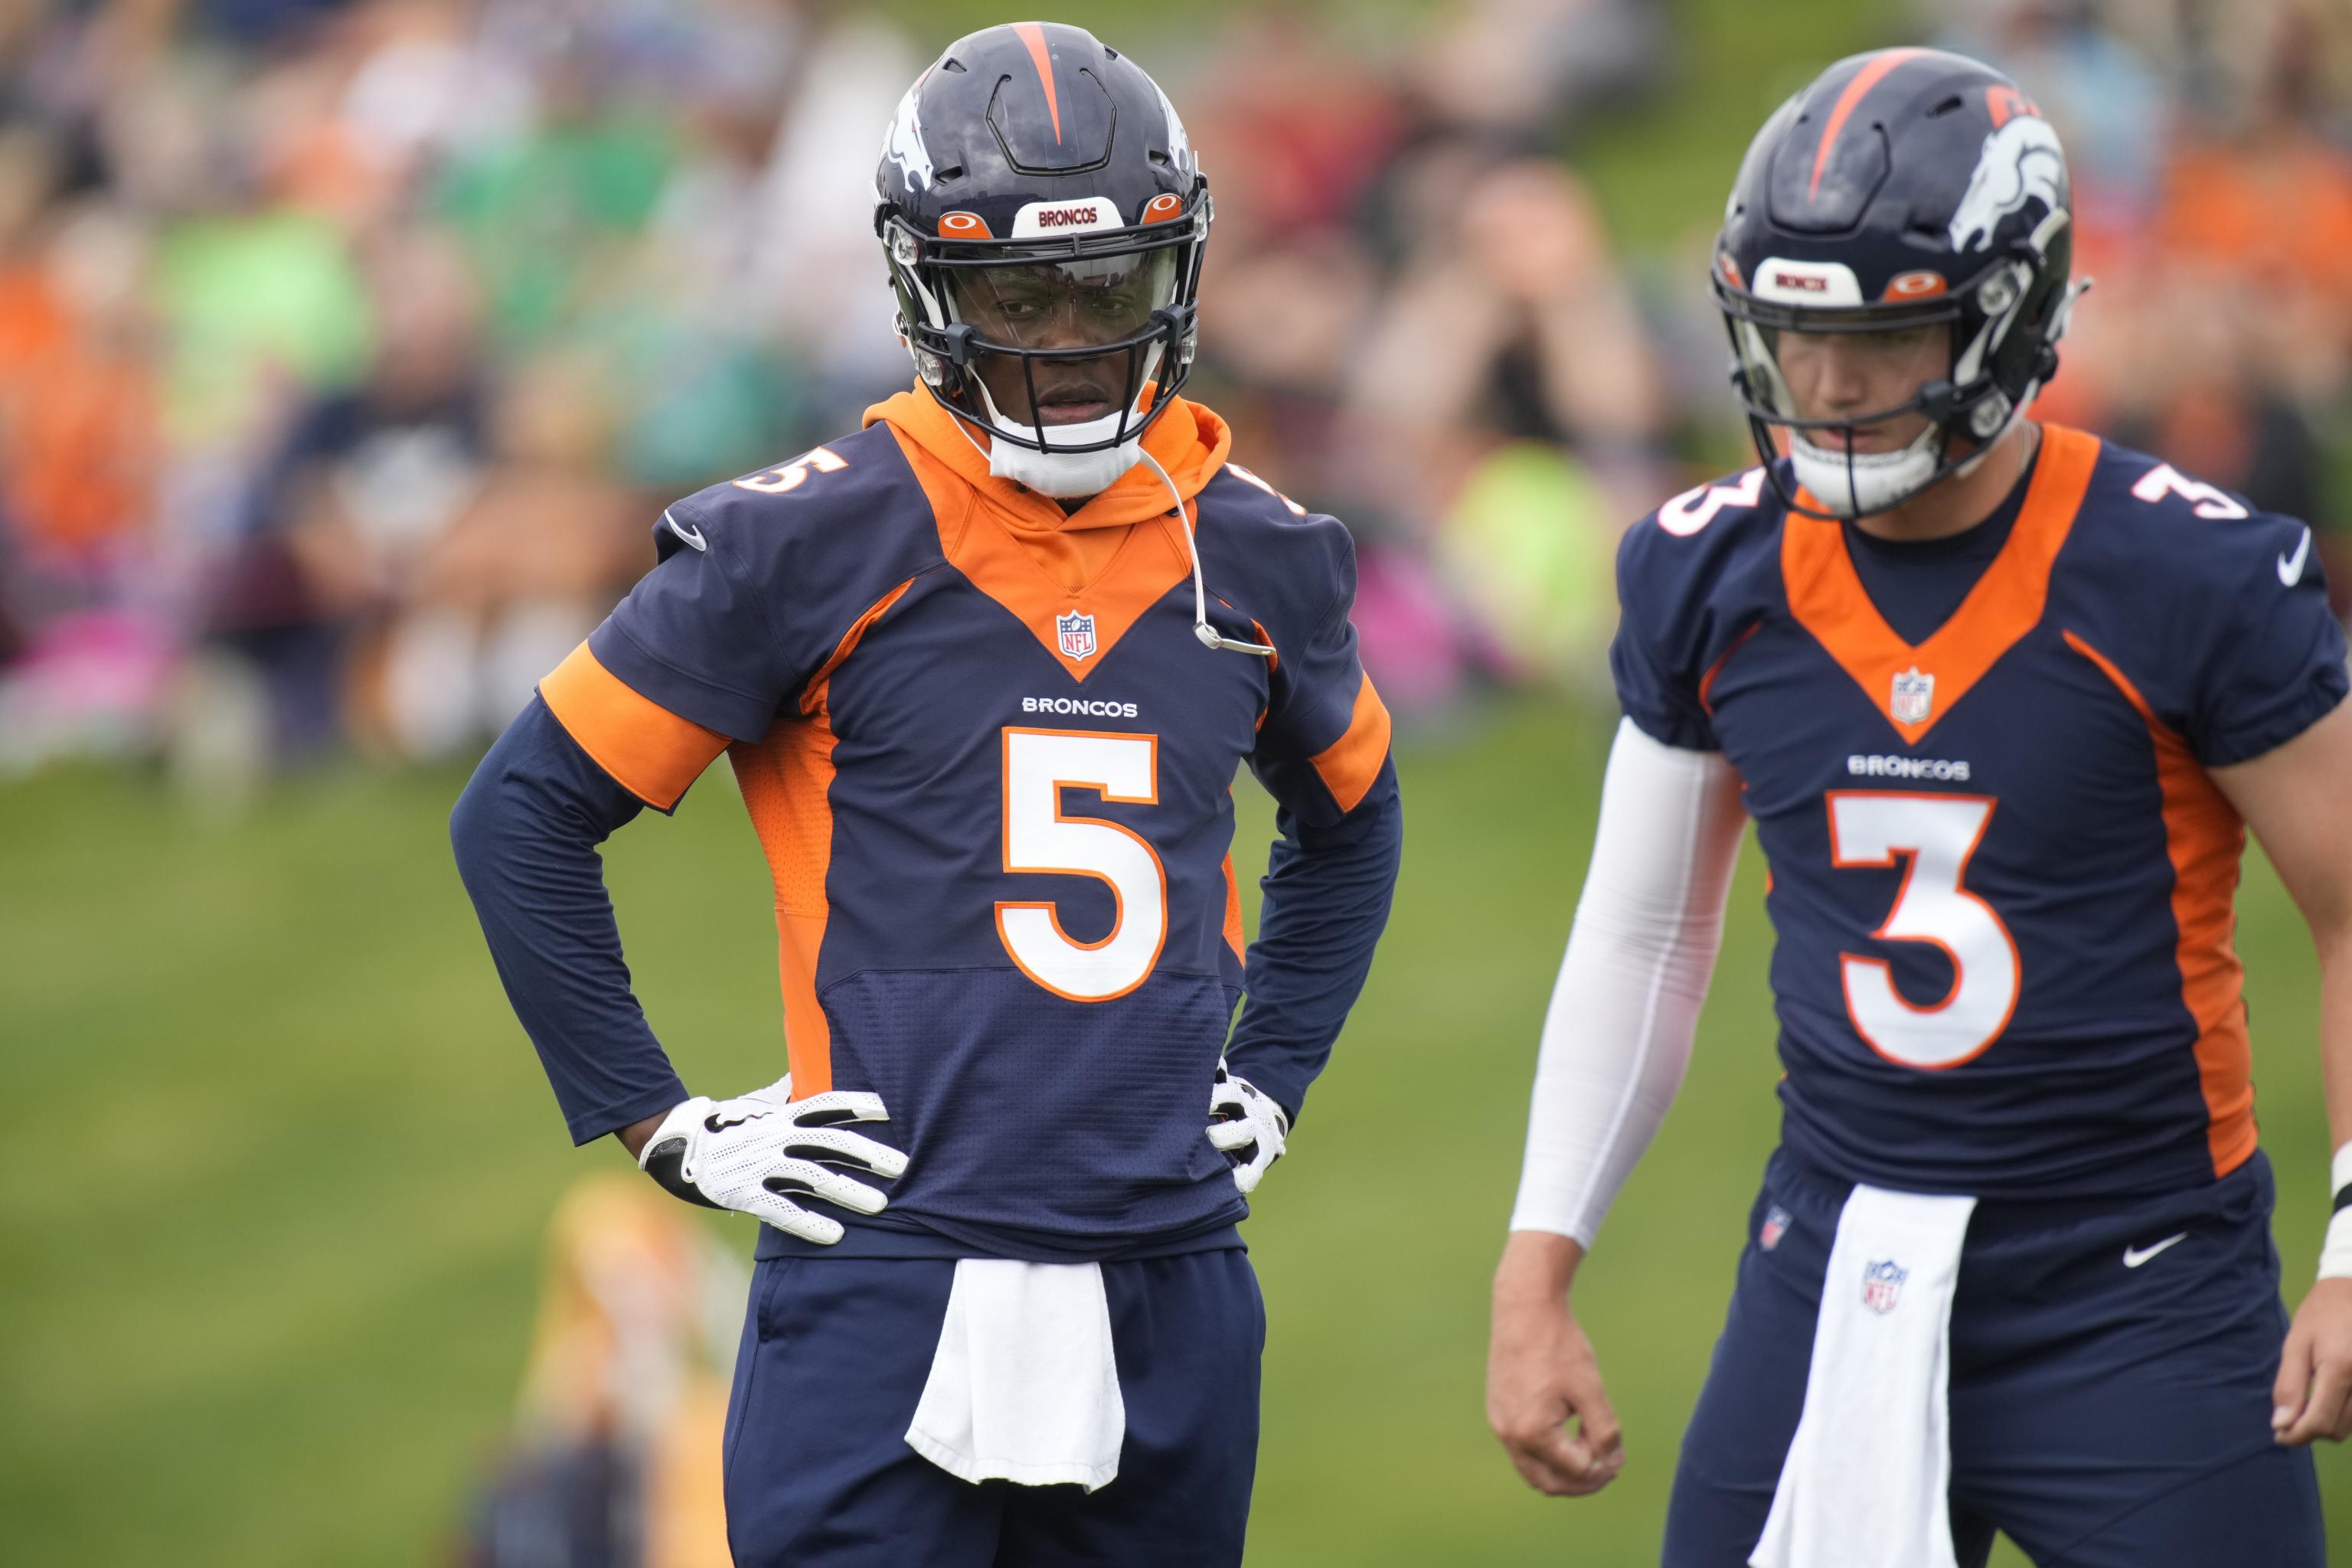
[2002, 879]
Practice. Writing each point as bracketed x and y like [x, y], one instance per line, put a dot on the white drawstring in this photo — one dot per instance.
[1210, 637]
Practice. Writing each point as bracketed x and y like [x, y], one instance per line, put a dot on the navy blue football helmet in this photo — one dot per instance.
[1903, 188]
[1038, 202]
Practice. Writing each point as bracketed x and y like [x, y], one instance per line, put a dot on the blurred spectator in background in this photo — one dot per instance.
[84, 653]
[2213, 183]
[348, 347]
[1506, 382]
[2255, 226]
[348, 511]
[2096, 87]
[613, 1461]
[524, 570]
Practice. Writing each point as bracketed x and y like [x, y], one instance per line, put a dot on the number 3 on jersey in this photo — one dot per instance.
[1939, 832]
[1039, 764]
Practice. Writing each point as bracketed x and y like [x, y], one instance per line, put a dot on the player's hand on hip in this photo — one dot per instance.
[1246, 1127]
[756, 1154]
[1541, 1373]
[2314, 1393]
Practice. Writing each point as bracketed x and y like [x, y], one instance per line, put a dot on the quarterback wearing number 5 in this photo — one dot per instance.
[2001, 701]
[985, 671]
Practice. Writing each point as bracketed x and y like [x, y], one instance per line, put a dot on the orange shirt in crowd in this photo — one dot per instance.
[2280, 210]
[76, 426]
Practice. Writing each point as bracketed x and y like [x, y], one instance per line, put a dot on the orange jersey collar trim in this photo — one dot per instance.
[999, 534]
[1188, 440]
[1826, 595]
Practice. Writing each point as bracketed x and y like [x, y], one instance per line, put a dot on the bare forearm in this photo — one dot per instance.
[1539, 1264]
[1597, 369]
[1541, 1372]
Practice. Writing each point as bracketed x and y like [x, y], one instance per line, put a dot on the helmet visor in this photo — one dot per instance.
[1089, 302]
[1853, 379]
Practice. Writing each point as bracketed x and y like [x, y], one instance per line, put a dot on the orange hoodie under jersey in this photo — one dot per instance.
[1187, 440]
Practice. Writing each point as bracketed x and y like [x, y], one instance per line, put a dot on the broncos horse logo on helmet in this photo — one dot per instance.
[2021, 162]
[1043, 218]
[1903, 189]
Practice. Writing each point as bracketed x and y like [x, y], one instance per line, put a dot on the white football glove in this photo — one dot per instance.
[753, 1155]
[1247, 1126]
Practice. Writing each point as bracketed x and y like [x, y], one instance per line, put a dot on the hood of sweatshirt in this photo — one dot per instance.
[1188, 440]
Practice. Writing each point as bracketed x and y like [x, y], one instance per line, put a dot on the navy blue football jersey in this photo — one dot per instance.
[2002, 879]
[997, 805]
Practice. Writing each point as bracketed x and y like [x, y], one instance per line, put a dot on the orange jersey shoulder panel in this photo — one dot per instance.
[649, 751]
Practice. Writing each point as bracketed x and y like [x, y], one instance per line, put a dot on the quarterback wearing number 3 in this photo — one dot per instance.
[985, 671]
[2001, 699]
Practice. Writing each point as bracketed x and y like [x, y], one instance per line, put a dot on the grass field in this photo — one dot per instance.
[281, 1160]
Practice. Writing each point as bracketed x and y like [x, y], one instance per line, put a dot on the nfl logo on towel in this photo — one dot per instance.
[1882, 1285]
[1913, 696]
[1078, 629]
[1776, 1225]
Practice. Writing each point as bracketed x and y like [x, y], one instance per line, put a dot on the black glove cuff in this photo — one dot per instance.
[666, 1163]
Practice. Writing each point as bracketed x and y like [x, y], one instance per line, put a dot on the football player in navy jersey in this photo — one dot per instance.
[984, 672]
[2001, 700]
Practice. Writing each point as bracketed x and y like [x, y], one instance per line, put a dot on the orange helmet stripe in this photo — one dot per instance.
[2006, 103]
[1035, 37]
[1865, 78]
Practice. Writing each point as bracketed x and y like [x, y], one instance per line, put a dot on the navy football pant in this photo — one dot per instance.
[835, 1355]
[2101, 1416]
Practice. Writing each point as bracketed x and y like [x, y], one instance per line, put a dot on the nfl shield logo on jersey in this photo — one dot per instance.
[1882, 1285]
[1776, 1225]
[1078, 629]
[1913, 697]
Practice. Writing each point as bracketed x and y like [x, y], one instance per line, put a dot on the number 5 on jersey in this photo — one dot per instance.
[1039, 764]
[1939, 832]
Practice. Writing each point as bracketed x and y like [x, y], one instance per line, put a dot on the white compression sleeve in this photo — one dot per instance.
[1625, 1008]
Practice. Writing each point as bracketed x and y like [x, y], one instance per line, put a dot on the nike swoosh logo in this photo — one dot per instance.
[2291, 572]
[694, 535]
[2136, 1255]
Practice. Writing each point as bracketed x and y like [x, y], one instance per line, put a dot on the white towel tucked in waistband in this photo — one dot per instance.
[1023, 1386]
[1865, 1482]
